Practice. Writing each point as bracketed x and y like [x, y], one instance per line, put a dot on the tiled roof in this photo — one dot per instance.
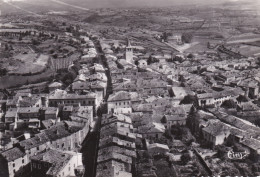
[119, 96]
[252, 143]
[36, 141]
[11, 112]
[57, 159]
[13, 154]
[55, 132]
[152, 127]
[55, 84]
[117, 149]
[61, 94]
[51, 110]
[110, 155]
[48, 123]
[28, 110]
[112, 168]
[175, 117]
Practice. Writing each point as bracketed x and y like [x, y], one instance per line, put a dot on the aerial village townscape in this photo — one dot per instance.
[118, 90]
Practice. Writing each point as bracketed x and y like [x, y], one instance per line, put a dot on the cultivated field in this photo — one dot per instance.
[29, 63]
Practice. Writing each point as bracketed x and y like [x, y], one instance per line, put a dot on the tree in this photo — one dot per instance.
[6, 47]
[55, 56]
[190, 56]
[20, 38]
[3, 72]
[229, 104]
[35, 42]
[149, 61]
[242, 98]
[185, 158]
[136, 62]
[11, 47]
[190, 99]
[208, 45]
[186, 37]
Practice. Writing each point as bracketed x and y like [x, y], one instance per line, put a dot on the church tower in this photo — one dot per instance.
[129, 52]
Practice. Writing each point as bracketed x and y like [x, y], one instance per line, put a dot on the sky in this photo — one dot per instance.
[136, 2]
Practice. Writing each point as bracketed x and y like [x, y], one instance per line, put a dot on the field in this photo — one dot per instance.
[244, 38]
[15, 81]
[29, 63]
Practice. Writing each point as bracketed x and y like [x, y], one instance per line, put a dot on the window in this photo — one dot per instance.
[23, 161]
[13, 164]
[38, 148]
[39, 166]
[69, 168]
[14, 171]
[34, 165]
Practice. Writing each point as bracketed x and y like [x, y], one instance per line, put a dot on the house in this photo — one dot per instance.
[152, 131]
[12, 162]
[142, 63]
[121, 99]
[54, 85]
[156, 148]
[66, 112]
[169, 120]
[254, 147]
[82, 114]
[11, 115]
[12, 102]
[27, 113]
[181, 92]
[113, 169]
[121, 132]
[55, 163]
[217, 98]
[48, 123]
[216, 133]
[51, 113]
[34, 124]
[61, 97]
[118, 118]
[116, 153]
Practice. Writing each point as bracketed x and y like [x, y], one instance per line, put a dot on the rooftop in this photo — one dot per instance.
[57, 159]
[13, 154]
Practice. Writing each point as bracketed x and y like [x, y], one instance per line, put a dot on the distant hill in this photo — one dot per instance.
[48, 5]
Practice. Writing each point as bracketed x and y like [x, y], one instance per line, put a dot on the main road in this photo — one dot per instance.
[91, 142]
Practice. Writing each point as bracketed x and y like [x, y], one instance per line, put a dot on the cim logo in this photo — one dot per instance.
[237, 155]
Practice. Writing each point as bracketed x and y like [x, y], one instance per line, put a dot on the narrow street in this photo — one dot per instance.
[90, 145]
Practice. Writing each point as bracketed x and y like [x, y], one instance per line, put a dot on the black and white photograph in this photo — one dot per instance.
[129, 88]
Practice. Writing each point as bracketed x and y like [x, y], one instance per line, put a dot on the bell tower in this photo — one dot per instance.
[129, 52]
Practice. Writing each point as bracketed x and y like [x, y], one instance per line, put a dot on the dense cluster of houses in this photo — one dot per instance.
[164, 94]
[152, 94]
[46, 130]
[117, 148]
